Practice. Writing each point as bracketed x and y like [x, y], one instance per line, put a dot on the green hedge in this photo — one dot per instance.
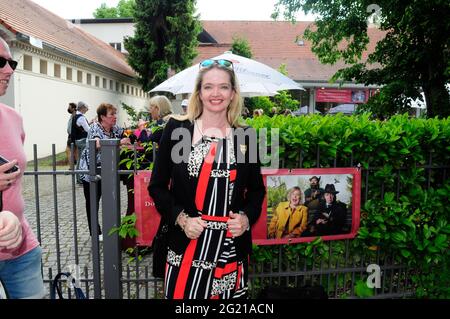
[406, 190]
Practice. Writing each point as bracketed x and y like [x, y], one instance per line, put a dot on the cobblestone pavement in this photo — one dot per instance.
[59, 205]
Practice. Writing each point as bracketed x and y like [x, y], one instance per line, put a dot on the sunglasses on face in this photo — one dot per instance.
[12, 63]
[221, 63]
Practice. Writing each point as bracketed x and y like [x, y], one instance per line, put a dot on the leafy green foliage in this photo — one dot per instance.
[404, 210]
[413, 55]
[165, 38]
[127, 227]
[124, 9]
[134, 115]
[282, 101]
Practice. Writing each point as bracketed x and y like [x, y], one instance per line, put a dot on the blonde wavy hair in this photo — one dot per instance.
[162, 103]
[292, 190]
[195, 106]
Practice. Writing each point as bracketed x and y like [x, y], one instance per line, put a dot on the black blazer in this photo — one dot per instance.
[172, 190]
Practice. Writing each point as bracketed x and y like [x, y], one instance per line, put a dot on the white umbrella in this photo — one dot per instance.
[343, 108]
[255, 78]
[305, 110]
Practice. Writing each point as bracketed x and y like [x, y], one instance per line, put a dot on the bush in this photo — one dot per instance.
[405, 188]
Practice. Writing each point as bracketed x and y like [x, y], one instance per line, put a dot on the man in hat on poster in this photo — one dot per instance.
[330, 219]
[314, 192]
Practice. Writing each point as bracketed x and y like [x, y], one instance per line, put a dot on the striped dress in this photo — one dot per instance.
[208, 268]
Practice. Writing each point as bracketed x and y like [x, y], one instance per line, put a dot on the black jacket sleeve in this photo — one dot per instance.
[255, 189]
[159, 187]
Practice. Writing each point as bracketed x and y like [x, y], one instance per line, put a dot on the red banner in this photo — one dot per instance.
[341, 95]
[147, 217]
[348, 183]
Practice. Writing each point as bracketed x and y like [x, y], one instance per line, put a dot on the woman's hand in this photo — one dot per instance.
[7, 179]
[10, 230]
[193, 227]
[125, 141]
[237, 224]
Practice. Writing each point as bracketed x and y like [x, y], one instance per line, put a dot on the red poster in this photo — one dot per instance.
[333, 95]
[147, 217]
[342, 95]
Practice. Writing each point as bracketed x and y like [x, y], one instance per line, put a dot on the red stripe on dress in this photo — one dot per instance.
[232, 175]
[203, 179]
[222, 219]
[229, 268]
[238, 280]
[184, 270]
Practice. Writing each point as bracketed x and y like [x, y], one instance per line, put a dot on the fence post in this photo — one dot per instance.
[93, 189]
[111, 218]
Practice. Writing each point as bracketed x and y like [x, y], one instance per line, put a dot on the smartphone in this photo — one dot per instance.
[13, 169]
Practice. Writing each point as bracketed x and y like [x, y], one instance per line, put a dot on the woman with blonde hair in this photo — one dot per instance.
[208, 190]
[160, 109]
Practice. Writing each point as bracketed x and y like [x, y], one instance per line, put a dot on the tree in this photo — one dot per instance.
[414, 55]
[124, 9]
[240, 46]
[283, 100]
[165, 39]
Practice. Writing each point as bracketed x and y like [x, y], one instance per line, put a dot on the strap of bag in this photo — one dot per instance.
[56, 289]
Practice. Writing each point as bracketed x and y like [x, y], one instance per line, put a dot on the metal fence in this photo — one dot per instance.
[55, 209]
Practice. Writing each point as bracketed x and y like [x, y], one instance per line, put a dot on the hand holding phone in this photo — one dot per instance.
[13, 169]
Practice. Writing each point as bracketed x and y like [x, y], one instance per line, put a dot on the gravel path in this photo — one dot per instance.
[58, 208]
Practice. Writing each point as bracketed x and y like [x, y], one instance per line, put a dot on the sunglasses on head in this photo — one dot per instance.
[12, 63]
[221, 63]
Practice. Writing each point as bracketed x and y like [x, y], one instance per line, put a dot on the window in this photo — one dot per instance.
[97, 81]
[132, 90]
[122, 87]
[111, 85]
[116, 45]
[80, 76]
[128, 89]
[28, 62]
[117, 86]
[88, 78]
[69, 74]
[57, 70]
[43, 67]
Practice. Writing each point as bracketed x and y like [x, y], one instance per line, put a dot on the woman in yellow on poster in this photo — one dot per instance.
[290, 217]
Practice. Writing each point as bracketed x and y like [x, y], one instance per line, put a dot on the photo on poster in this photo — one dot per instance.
[303, 204]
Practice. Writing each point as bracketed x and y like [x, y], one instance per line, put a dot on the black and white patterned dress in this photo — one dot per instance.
[208, 268]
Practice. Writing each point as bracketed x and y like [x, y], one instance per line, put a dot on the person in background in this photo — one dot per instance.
[72, 109]
[258, 112]
[274, 111]
[184, 105]
[140, 127]
[20, 252]
[80, 129]
[104, 128]
[290, 218]
[160, 108]
[211, 198]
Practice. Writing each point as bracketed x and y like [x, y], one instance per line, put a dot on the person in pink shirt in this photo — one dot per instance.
[20, 252]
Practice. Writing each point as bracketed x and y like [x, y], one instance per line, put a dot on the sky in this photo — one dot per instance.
[208, 9]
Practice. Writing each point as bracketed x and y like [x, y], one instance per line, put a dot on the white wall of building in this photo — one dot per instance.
[109, 32]
[42, 99]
